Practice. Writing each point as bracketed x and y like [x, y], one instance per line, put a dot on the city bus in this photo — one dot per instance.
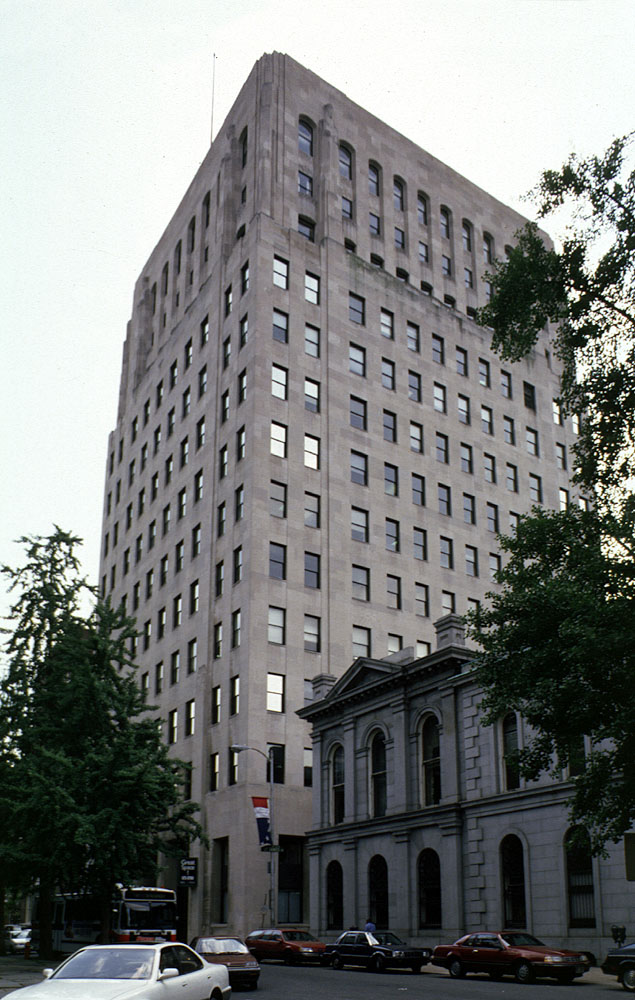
[139, 914]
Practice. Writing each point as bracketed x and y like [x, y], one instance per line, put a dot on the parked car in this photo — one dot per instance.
[234, 954]
[620, 962]
[512, 953]
[17, 942]
[377, 951]
[289, 945]
[147, 972]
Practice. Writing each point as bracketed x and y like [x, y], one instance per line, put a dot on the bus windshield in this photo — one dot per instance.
[148, 914]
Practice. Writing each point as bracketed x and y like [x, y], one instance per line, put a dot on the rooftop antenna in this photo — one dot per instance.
[211, 137]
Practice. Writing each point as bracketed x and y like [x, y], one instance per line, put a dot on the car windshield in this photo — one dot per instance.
[108, 963]
[520, 940]
[221, 946]
[299, 936]
[387, 937]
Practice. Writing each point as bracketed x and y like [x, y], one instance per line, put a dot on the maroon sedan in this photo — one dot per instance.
[513, 953]
[289, 945]
[231, 952]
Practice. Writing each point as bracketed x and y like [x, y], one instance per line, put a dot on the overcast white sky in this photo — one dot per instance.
[106, 116]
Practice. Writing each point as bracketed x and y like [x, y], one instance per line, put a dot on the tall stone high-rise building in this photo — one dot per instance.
[315, 448]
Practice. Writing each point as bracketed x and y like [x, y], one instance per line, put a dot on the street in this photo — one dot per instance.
[278, 981]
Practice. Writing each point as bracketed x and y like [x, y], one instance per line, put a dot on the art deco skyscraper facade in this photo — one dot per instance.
[315, 447]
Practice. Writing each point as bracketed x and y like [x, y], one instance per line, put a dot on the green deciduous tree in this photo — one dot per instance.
[87, 787]
[557, 641]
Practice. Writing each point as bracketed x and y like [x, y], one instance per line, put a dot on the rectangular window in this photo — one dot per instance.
[393, 592]
[444, 495]
[487, 420]
[535, 488]
[173, 726]
[359, 468]
[469, 508]
[414, 386]
[275, 692]
[218, 640]
[422, 600]
[463, 404]
[387, 324]
[531, 440]
[311, 452]
[446, 552]
[311, 341]
[471, 560]
[278, 440]
[216, 705]
[175, 667]
[392, 535]
[194, 597]
[509, 433]
[529, 395]
[440, 398]
[557, 412]
[238, 564]
[280, 326]
[276, 626]
[236, 626]
[242, 386]
[512, 478]
[347, 208]
[484, 372]
[563, 498]
[387, 373]
[374, 224]
[311, 510]
[489, 468]
[418, 490]
[356, 309]
[358, 413]
[361, 641]
[420, 543]
[214, 772]
[390, 426]
[228, 300]
[277, 499]
[359, 524]
[360, 583]
[190, 717]
[506, 385]
[275, 753]
[279, 377]
[311, 395]
[357, 360]
[400, 238]
[223, 462]
[311, 634]
[492, 517]
[413, 337]
[391, 480]
[416, 437]
[312, 288]
[442, 448]
[277, 561]
[312, 570]
[305, 184]
[438, 349]
[424, 255]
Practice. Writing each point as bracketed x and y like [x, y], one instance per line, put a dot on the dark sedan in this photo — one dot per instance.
[513, 953]
[377, 951]
[620, 962]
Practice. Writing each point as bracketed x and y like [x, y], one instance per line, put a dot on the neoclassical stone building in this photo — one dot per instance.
[421, 822]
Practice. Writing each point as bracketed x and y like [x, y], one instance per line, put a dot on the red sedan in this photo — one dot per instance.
[513, 953]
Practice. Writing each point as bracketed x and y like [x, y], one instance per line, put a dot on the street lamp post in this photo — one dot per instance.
[238, 748]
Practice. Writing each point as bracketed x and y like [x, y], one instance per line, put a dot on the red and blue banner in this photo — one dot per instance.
[261, 809]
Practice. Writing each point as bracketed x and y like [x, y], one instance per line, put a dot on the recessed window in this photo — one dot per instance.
[387, 373]
[418, 489]
[306, 228]
[422, 600]
[531, 440]
[275, 692]
[506, 385]
[387, 324]
[444, 222]
[469, 509]
[487, 420]
[346, 163]
[277, 499]
[391, 480]
[414, 386]
[446, 265]
[390, 426]
[311, 395]
[393, 592]
[359, 524]
[374, 224]
[471, 560]
[373, 180]
[357, 360]
[392, 535]
[312, 642]
[356, 308]
[311, 341]
[312, 570]
[561, 456]
[311, 451]
[488, 249]
[442, 448]
[359, 468]
[444, 496]
[400, 238]
[398, 196]
[312, 288]
[489, 468]
[280, 326]
[492, 517]
[446, 552]
[529, 395]
[535, 488]
[278, 440]
[281, 272]
[347, 208]
[311, 510]
[466, 232]
[440, 398]
[276, 626]
[361, 647]
[305, 183]
[358, 413]
[305, 138]
[413, 341]
[360, 583]
[419, 544]
[438, 349]
[422, 209]
[416, 437]
[463, 405]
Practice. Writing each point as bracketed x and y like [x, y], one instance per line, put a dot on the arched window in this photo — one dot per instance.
[488, 248]
[334, 896]
[444, 222]
[431, 761]
[378, 775]
[346, 163]
[510, 746]
[305, 137]
[429, 888]
[398, 194]
[513, 871]
[422, 209]
[378, 892]
[467, 236]
[373, 179]
[580, 878]
[337, 785]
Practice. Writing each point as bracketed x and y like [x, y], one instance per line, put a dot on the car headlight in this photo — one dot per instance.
[306, 950]
[553, 959]
[398, 954]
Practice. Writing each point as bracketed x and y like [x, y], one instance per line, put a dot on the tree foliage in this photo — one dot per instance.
[557, 640]
[88, 793]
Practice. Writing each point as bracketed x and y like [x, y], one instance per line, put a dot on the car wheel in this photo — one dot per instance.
[628, 979]
[378, 963]
[524, 972]
[455, 969]
[337, 962]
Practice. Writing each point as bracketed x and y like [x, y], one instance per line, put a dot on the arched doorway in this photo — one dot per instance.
[378, 891]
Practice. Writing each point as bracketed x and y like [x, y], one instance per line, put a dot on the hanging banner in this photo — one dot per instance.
[261, 809]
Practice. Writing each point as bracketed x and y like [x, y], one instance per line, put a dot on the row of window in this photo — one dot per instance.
[513, 890]
[276, 754]
[173, 667]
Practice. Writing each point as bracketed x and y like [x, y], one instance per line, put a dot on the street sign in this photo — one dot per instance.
[188, 872]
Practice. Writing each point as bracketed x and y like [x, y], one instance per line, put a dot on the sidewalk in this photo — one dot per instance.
[16, 971]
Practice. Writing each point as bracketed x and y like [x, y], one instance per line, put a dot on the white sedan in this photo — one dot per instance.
[142, 972]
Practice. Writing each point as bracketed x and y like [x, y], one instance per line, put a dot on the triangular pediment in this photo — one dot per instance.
[362, 673]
